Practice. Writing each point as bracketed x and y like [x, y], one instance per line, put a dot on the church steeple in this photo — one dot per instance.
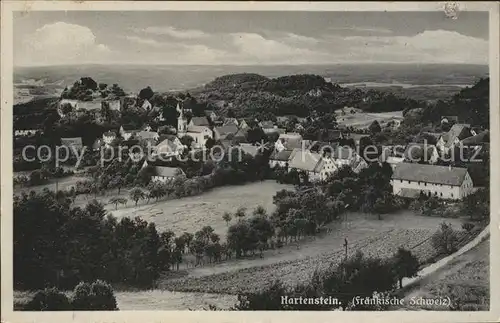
[181, 121]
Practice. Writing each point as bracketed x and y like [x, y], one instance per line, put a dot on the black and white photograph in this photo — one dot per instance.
[216, 159]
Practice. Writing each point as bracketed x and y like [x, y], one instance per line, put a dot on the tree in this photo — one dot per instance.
[96, 296]
[146, 93]
[240, 213]
[405, 265]
[49, 299]
[259, 210]
[445, 239]
[137, 194]
[226, 217]
[375, 127]
[117, 200]
[268, 299]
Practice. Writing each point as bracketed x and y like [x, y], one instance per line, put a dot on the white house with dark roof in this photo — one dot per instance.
[199, 121]
[288, 141]
[346, 156]
[409, 180]
[457, 133]
[200, 135]
[164, 174]
[220, 133]
[280, 158]
[316, 166]
[151, 136]
[170, 146]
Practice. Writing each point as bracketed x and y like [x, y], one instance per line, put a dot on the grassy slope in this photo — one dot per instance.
[465, 279]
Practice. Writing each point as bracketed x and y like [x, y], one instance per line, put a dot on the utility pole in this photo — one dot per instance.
[345, 246]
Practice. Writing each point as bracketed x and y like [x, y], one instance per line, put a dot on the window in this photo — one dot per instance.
[425, 184]
[441, 194]
[451, 194]
[401, 181]
[408, 182]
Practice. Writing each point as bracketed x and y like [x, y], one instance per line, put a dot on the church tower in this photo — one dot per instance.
[181, 122]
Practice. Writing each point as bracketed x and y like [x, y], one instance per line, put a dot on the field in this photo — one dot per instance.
[363, 120]
[295, 263]
[465, 280]
[192, 213]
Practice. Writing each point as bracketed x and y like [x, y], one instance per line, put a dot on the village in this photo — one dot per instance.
[196, 173]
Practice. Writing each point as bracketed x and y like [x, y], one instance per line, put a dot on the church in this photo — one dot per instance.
[200, 134]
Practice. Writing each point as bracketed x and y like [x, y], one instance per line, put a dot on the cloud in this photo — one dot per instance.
[61, 43]
[431, 46]
[174, 32]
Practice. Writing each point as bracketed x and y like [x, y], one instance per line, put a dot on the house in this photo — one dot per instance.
[108, 138]
[280, 158]
[247, 123]
[97, 144]
[210, 114]
[249, 149]
[231, 121]
[389, 157]
[220, 133]
[146, 127]
[146, 105]
[418, 153]
[169, 147]
[457, 133]
[314, 165]
[199, 121]
[127, 131]
[346, 156]
[288, 141]
[114, 105]
[267, 125]
[477, 140]
[200, 134]
[75, 144]
[150, 136]
[410, 180]
[164, 174]
[321, 147]
[448, 119]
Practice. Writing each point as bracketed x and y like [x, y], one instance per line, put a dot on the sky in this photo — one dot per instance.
[248, 38]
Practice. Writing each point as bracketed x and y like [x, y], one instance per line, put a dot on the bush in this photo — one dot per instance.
[50, 299]
[96, 296]
[468, 226]
[445, 239]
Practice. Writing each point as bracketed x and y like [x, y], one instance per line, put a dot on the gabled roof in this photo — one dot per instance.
[230, 121]
[227, 129]
[429, 173]
[129, 127]
[145, 135]
[250, 149]
[267, 124]
[318, 146]
[197, 129]
[480, 138]
[109, 134]
[76, 141]
[459, 131]
[167, 171]
[166, 146]
[200, 121]
[416, 151]
[306, 160]
[283, 155]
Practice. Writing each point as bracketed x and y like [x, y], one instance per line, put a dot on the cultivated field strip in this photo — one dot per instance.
[295, 272]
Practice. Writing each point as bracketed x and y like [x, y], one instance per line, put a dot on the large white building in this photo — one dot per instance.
[410, 179]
